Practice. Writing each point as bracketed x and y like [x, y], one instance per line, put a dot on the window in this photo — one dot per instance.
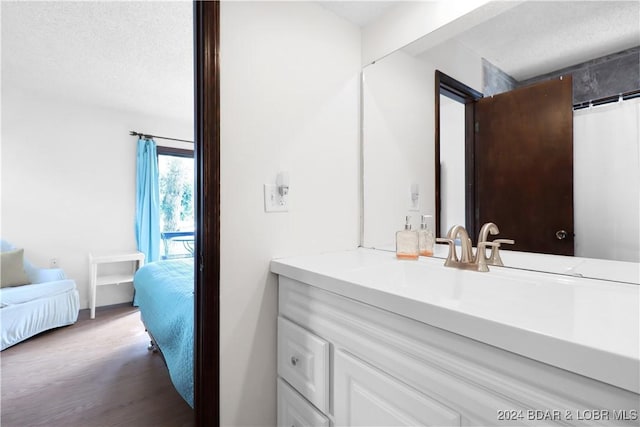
[176, 176]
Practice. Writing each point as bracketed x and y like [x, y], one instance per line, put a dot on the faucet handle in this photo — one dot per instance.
[507, 241]
[444, 240]
[495, 251]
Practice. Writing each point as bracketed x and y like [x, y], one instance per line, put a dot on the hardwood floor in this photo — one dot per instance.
[93, 373]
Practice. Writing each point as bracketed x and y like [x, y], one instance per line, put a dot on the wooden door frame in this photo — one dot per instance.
[460, 92]
[206, 16]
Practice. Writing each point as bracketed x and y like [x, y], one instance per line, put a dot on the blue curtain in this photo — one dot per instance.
[148, 200]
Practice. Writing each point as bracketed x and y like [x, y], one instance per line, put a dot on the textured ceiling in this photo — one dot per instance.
[128, 55]
[538, 37]
[138, 55]
[359, 12]
[132, 56]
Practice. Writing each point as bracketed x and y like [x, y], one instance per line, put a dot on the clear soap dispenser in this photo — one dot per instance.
[407, 242]
[426, 240]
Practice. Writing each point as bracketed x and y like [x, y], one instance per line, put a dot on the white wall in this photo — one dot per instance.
[68, 181]
[289, 102]
[399, 134]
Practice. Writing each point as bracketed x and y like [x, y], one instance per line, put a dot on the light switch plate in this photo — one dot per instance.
[273, 202]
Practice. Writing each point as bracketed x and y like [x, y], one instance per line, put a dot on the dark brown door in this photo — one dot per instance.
[524, 166]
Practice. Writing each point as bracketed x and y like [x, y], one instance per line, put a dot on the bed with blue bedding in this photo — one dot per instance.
[164, 294]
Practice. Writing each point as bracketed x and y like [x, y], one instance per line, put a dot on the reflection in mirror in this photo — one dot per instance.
[520, 158]
[452, 174]
[399, 124]
[398, 134]
[455, 156]
[398, 147]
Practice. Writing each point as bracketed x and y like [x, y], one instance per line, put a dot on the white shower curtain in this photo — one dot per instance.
[607, 181]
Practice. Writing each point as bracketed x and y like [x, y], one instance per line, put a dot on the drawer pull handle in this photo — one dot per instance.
[294, 360]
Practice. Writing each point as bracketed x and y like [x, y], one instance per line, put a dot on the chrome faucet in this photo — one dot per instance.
[468, 260]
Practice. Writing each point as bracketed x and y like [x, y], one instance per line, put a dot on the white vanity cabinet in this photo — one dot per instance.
[303, 361]
[366, 396]
[295, 411]
[345, 363]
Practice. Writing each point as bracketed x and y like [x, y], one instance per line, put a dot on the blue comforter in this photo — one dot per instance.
[164, 293]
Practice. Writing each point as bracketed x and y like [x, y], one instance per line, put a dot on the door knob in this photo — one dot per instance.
[561, 234]
[294, 360]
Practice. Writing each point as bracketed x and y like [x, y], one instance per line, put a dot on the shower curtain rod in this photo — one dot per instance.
[148, 136]
[608, 99]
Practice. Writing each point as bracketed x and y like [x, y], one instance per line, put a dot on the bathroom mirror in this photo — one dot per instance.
[399, 120]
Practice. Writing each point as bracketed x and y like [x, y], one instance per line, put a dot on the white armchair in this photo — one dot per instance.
[48, 301]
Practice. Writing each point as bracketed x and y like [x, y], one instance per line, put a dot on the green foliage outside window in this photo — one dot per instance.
[176, 193]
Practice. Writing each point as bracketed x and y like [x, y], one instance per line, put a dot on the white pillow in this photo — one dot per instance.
[12, 269]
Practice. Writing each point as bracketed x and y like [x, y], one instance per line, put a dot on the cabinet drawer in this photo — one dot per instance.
[295, 411]
[366, 396]
[303, 361]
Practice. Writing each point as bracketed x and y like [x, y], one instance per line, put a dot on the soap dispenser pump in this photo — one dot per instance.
[407, 242]
[426, 240]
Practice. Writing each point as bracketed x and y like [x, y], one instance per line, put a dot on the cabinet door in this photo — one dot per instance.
[366, 396]
[303, 361]
[295, 411]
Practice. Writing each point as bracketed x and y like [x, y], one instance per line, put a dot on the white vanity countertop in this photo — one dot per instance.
[587, 326]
